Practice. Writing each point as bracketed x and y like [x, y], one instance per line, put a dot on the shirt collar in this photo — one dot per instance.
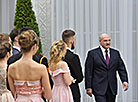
[103, 49]
[69, 49]
[18, 48]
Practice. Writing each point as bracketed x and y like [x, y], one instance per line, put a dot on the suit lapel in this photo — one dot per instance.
[68, 51]
[101, 55]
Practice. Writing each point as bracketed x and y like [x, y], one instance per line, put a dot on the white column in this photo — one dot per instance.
[42, 9]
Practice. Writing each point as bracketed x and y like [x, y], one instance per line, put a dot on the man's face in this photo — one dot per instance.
[105, 41]
[73, 43]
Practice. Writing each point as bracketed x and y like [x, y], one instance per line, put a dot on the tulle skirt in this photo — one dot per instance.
[61, 94]
[6, 97]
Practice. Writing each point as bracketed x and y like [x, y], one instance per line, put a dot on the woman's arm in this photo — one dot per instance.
[46, 84]
[67, 78]
[11, 81]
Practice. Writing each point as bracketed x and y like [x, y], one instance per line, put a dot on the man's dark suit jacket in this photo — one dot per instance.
[98, 76]
[73, 62]
[36, 58]
[15, 51]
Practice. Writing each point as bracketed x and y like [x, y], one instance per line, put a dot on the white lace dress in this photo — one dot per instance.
[5, 94]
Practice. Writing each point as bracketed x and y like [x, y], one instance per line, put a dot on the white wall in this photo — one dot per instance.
[89, 18]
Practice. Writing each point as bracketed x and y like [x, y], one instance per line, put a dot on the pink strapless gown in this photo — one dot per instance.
[60, 92]
[28, 91]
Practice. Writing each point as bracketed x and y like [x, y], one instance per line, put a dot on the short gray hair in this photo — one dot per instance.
[100, 37]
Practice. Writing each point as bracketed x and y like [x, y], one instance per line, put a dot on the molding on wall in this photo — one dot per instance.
[43, 14]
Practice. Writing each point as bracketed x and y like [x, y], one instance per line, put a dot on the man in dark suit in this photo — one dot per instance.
[101, 68]
[14, 37]
[73, 62]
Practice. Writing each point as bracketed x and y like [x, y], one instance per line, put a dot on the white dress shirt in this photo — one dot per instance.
[18, 48]
[104, 53]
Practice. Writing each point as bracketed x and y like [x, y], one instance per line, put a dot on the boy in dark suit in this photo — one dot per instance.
[14, 37]
[101, 68]
[73, 62]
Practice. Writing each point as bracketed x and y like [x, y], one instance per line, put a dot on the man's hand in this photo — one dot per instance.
[125, 86]
[89, 92]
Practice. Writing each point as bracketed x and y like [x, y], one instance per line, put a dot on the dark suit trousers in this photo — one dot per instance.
[108, 97]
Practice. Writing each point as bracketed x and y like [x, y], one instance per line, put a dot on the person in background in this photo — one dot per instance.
[60, 73]
[73, 61]
[24, 83]
[101, 67]
[5, 53]
[14, 37]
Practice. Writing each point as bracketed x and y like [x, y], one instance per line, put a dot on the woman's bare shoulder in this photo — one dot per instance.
[62, 65]
[38, 66]
[13, 65]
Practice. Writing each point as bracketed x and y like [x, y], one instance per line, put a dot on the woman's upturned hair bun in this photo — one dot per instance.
[27, 39]
[5, 47]
[57, 51]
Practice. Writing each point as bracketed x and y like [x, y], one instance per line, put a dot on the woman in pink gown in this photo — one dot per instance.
[60, 72]
[28, 79]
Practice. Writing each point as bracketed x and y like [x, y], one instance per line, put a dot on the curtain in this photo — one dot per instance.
[90, 18]
[7, 12]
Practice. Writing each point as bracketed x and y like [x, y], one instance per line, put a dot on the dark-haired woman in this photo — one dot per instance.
[5, 53]
[28, 80]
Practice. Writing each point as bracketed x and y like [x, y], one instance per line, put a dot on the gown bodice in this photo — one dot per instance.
[61, 92]
[28, 91]
[5, 94]
[28, 87]
[3, 75]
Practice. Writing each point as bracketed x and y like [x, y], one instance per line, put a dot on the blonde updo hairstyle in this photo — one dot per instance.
[56, 52]
[27, 39]
[5, 47]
